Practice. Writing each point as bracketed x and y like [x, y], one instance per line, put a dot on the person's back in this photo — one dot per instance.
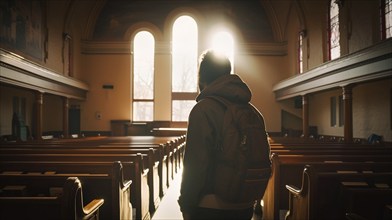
[199, 199]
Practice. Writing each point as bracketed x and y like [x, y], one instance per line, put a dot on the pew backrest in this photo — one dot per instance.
[68, 205]
[108, 180]
[321, 197]
[287, 170]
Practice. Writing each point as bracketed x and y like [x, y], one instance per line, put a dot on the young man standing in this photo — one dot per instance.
[197, 199]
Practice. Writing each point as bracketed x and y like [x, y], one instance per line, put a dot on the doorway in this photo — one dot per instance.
[74, 120]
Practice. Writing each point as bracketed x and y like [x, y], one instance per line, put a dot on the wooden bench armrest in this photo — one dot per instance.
[145, 172]
[294, 190]
[93, 206]
[354, 216]
[126, 184]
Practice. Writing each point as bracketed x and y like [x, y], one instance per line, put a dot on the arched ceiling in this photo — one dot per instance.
[247, 16]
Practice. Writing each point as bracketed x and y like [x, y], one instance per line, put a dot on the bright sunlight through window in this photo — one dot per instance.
[184, 55]
[184, 67]
[143, 76]
[223, 43]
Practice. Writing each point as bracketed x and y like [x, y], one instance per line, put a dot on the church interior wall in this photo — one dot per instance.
[320, 113]
[372, 110]
[261, 73]
[259, 70]
[111, 104]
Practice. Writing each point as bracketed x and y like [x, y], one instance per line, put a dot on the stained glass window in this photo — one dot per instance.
[334, 38]
[300, 53]
[387, 18]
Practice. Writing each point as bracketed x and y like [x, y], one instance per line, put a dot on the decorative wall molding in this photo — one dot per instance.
[104, 47]
[373, 63]
[17, 71]
[125, 47]
[263, 49]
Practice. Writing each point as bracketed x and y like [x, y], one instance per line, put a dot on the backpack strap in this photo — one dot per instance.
[224, 103]
[257, 111]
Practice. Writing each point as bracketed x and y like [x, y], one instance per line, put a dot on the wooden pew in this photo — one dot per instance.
[342, 147]
[176, 141]
[326, 151]
[165, 156]
[107, 180]
[139, 175]
[168, 131]
[287, 170]
[304, 141]
[167, 149]
[173, 151]
[98, 141]
[300, 146]
[175, 148]
[322, 195]
[153, 162]
[172, 146]
[68, 206]
[165, 171]
[276, 141]
[369, 203]
[137, 139]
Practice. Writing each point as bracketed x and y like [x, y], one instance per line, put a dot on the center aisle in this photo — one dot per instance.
[168, 208]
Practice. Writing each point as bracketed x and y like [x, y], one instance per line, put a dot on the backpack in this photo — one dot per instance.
[243, 165]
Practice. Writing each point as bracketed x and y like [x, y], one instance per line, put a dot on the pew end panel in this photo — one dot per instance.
[121, 192]
[72, 203]
[68, 205]
[287, 170]
[140, 190]
[298, 208]
[153, 178]
[163, 170]
[275, 196]
[107, 180]
[322, 197]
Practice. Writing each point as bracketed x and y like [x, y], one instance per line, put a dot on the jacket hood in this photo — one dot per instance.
[230, 87]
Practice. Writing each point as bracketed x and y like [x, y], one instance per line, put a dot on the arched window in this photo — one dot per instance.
[334, 33]
[143, 76]
[224, 43]
[67, 55]
[184, 67]
[386, 18]
[300, 54]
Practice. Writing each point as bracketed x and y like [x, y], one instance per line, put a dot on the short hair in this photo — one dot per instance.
[213, 65]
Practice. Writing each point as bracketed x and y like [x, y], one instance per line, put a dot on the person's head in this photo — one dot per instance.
[212, 66]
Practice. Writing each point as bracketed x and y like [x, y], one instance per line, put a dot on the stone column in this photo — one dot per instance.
[305, 116]
[65, 117]
[348, 113]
